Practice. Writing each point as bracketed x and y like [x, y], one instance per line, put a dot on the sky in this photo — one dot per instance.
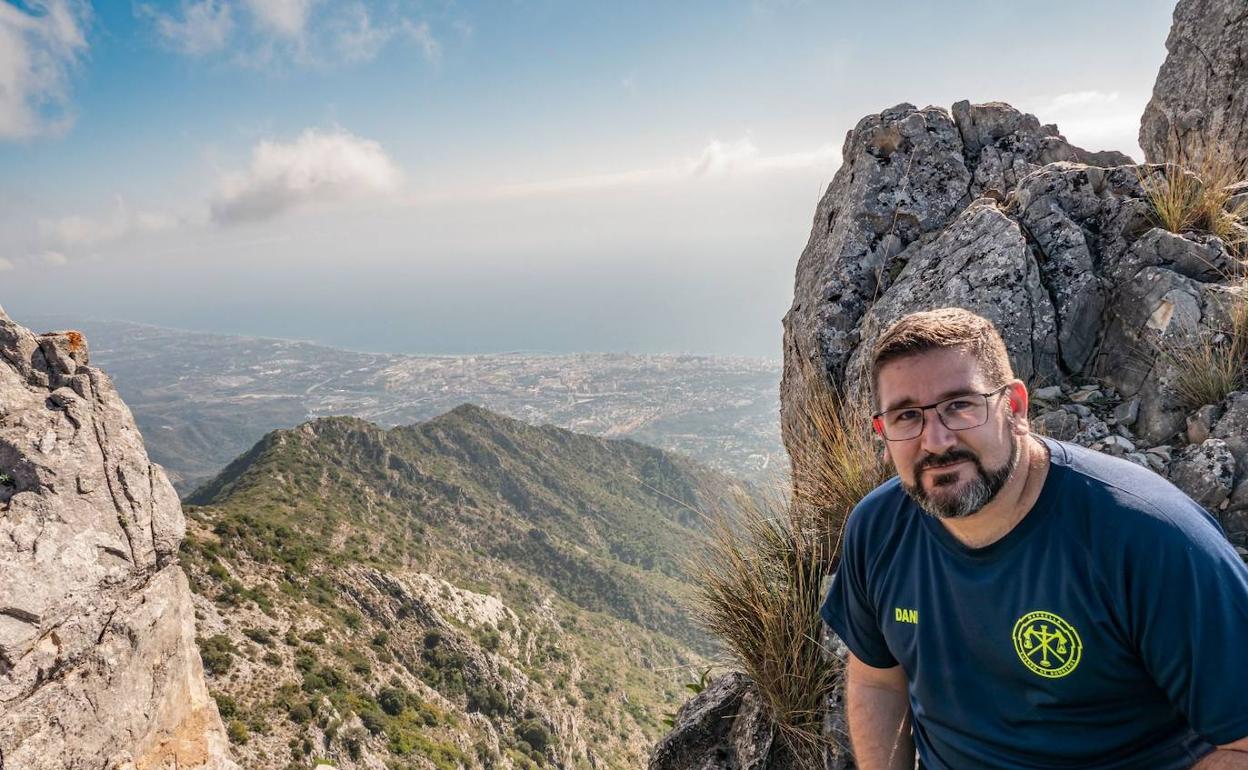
[454, 177]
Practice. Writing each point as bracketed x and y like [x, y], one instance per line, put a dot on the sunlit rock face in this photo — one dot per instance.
[1199, 108]
[98, 662]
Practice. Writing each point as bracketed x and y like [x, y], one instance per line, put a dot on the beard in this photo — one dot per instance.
[979, 491]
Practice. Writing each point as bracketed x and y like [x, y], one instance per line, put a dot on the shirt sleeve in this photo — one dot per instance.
[848, 609]
[1189, 602]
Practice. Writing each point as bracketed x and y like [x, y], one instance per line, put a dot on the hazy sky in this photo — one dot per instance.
[462, 177]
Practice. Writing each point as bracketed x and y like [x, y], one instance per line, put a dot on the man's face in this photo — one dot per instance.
[952, 474]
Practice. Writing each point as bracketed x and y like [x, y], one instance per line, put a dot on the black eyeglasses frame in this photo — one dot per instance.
[923, 414]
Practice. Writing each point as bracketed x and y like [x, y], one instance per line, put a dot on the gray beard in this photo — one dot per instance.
[982, 489]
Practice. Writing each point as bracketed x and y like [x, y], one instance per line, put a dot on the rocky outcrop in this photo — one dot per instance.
[907, 175]
[983, 208]
[1199, 108]
[724, 727]
[98, 663]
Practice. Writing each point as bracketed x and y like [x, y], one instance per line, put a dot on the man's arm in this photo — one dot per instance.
[879, 716]
[1228, 756]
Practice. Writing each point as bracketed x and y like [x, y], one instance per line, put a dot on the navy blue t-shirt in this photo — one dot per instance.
[1108, 629]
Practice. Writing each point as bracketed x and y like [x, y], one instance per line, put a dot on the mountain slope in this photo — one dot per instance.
[471, 591]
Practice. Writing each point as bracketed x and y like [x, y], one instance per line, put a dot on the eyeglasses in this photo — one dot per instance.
[957, 413]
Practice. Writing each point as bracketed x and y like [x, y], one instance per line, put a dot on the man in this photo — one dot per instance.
[1011, 601]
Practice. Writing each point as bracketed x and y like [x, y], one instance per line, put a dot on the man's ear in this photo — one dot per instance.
[1019, 402]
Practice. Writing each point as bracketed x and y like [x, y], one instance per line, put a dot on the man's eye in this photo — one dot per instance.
[961, 405]
[909, 415]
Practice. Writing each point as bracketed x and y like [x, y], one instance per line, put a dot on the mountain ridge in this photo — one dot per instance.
[345, 531]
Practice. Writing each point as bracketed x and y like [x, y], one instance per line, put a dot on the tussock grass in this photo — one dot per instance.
[1216, 362]
[1199, 199]
[760, 575]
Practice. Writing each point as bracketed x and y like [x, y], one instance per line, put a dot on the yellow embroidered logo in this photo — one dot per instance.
[903, 615]
[1047, 645]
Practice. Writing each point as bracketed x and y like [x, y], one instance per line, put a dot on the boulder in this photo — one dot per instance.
[1206, 472]
[1232, 427]
[724, 727]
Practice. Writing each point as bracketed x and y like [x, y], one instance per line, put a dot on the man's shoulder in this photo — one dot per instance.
[1137, 504]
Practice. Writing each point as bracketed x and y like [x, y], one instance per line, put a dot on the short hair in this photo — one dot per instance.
[941, 329]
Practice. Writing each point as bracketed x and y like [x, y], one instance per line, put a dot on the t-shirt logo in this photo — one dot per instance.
[1047, 645]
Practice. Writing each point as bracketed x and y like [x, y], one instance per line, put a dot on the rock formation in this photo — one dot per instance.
[1198, 107]
[98, 662]
[724, 726]
[984, 208]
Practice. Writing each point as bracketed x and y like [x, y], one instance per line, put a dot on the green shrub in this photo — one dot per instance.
[392, 700]
[534, 733]
[258, 635]
[237, 732]
[488, 700]
[217, 653]
[226, 705]
[373, 721]
[300, 713]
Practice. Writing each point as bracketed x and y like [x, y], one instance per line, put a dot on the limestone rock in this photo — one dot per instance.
[907, 173]
[1200, 422]
[980, 262]
[1060, 424]
[1205, 472]
[903, 175]
[722, 728]
[1232, 427]
[1199, 106]
[98, 663]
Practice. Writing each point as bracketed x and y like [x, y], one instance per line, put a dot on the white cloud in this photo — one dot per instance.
[1079, 100]
[307, 33]
[424, 39]
[359, 39]
[122, 221]
[38, 50]
[204, 27]
[723, 157]
[285, 18]
[55, 258]
[716, 160]
[5, 264]
[315, 168]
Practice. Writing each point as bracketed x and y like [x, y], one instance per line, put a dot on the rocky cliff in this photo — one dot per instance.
[98, 663]
[1198, 108]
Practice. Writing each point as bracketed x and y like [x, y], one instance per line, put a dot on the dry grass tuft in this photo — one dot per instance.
[1216, 363]
[1199, 199]
[760, 575]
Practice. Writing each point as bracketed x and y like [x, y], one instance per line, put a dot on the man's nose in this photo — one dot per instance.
[936, 438]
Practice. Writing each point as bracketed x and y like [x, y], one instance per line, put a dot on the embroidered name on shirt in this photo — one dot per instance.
[903, 615]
